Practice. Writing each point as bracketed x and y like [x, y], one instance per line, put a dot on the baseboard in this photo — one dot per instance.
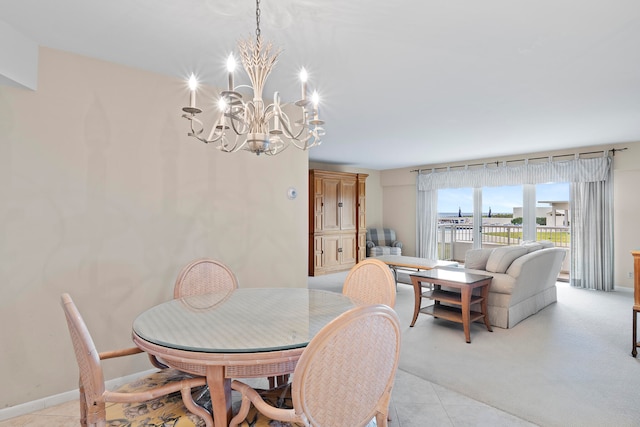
[57, 399]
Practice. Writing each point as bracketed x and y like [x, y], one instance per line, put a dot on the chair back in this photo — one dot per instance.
[371, 282]
[345, 375]
[91, 376]
[204, 276]
[381, 236]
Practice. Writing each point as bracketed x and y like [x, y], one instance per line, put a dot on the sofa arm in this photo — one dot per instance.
[535, 271]
[397, 244]
[370, 244]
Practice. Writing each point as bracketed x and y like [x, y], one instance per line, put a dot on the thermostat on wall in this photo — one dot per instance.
[292, 193]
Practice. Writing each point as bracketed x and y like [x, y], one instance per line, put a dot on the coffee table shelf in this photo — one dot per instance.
[450, 297]
[447, 312]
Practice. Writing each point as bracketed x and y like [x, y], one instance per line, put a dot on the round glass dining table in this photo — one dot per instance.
[243, 333]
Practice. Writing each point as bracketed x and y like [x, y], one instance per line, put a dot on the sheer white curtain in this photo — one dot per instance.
[427, 224]
[591, 221]
[592, 235]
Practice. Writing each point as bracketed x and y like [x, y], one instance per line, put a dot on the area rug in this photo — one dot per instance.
[568, 365]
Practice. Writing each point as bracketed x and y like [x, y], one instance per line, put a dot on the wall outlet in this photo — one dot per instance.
[631, 275]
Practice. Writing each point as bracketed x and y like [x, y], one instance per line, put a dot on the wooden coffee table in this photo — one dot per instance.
[457, 302]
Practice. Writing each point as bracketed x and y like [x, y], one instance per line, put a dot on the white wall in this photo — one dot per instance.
[399, 203]
[19, 59]
[103, 195]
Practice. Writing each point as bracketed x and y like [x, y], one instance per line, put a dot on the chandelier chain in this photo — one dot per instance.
[257, 20]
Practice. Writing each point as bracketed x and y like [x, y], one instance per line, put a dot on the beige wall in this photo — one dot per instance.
[626, 211]
[103, 195]
[399, 203]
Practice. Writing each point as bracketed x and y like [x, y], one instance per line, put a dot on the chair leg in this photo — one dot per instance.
[283, 379]
[381, 420]
[83, 406]
[278, 381]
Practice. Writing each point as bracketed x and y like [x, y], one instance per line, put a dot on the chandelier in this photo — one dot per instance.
[252, 125]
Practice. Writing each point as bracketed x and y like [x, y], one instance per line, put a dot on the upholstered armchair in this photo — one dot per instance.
[382, 241]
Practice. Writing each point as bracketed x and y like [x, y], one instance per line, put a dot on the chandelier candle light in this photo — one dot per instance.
[250, 125]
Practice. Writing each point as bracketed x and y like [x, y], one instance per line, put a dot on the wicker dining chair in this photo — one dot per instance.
[200, 277]
[204, 276]
[343, 378]
[371, 282]
[159, 398]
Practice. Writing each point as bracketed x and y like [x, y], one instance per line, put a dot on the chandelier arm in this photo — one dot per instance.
[277, 150]
[286, 128]
[196, 132]
[191, 119]
[215, 134]
[303, 144]
[314, 135]
[225, 147]
[241, 119]
[233, 125]
[270, 112]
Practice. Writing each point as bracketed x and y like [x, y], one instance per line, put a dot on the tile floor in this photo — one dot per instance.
[415, 403]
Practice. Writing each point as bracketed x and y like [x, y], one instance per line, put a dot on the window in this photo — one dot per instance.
[501, 209]
[505, 215]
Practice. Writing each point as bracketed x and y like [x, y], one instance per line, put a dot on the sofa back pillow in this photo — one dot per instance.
[532, 246]
[501, 258]
[476, 259]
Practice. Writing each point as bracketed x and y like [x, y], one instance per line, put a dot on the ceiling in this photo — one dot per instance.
[402, 83]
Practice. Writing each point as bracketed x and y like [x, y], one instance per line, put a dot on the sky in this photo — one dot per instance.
[499, 199]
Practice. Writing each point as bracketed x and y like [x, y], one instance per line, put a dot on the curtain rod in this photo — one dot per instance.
[613, 150]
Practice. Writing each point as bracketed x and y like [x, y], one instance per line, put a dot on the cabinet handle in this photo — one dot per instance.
[339, 249]
[340, 204]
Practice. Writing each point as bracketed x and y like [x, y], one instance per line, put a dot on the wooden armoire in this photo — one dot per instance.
[337, 221]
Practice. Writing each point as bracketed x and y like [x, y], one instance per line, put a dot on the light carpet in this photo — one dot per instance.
[568, 365]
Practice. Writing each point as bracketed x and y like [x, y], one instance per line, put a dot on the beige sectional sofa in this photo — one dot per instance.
[524, 279]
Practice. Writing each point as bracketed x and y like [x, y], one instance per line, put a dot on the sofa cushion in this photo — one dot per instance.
[476, 258]
[383, 250]
[501, 258]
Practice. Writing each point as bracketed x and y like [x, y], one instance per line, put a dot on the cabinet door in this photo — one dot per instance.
[348, 249]
[317, 252]
[318, 204]
[331, 208]
[331, 251]
[348, 191]
[362, 205]
[362, 245]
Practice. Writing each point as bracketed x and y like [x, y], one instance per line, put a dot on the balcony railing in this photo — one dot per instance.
[461, 235]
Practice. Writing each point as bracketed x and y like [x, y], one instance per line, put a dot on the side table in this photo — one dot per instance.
[457, 307]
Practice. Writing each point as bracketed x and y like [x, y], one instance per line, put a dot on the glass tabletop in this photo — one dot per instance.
[452, 275]
[241, 321]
